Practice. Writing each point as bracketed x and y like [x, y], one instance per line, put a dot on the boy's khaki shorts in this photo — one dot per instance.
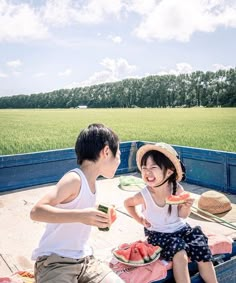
[57, 269]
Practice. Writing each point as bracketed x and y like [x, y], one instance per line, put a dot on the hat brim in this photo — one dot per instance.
[172, 157]
[229, 216]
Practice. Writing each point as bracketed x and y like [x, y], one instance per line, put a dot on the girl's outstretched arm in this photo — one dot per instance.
[130, 205]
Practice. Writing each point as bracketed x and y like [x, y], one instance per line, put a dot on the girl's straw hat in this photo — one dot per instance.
[214, 202]
[168, 151]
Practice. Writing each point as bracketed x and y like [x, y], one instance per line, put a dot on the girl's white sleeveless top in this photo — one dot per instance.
[158, 217]
[69, 239]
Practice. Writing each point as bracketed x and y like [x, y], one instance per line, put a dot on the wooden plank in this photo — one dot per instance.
[4, 268]
[7, 265]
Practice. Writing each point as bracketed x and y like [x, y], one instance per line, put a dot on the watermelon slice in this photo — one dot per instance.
[152, 251]
[122, 254]
[112, 214]
[124, 246]
[143, 251]
[137, 253]
[135, 256]
[172, 199]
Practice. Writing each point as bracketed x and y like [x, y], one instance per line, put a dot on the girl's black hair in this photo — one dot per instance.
[164, 163]
[92, 140]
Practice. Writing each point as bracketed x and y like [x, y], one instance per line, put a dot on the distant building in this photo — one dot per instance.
[82, 106]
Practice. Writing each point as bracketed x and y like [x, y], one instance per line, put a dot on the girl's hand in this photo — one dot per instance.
[144, 222]
[185, 208]
[188, 203]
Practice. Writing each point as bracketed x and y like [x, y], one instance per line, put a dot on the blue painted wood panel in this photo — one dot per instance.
[209, 168]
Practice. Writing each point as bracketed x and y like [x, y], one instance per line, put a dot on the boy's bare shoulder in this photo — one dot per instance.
[70, 183]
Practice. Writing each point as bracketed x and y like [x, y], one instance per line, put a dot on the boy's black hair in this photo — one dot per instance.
[92, 140]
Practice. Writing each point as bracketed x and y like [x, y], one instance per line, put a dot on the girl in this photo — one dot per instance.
[165, 225]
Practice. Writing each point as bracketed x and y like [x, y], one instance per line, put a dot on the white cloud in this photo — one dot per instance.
[115, 70]
[217, 67]
[19, 22]
[39, 75]
[179, 19]
[95, 11]
[163, 19]
[66, 12]
[16, 73]
[3, 75]
[181, 68]
[14, 63]
[24, 21]
[119, 67]
[140, 7]
[65, 73]
[115, 39]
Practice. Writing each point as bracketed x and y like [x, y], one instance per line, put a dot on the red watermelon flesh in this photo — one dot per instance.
[138, 252]
[135, 256]
[113, 215]
[123, 254]
[173, 199]
[143, 251]
[124, 246]
[152, 251]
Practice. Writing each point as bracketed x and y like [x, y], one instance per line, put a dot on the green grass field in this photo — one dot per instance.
[25, 131]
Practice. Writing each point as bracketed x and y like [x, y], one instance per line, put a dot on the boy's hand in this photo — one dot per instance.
[94, 217]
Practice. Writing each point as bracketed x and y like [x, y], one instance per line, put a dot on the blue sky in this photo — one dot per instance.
[53, 44]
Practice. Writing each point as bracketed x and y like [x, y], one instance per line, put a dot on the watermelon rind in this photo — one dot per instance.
[135, 256]
[138, 264]
[175, 202]
[122, 254]
[138, 253]
[185, 195]
[106, 209]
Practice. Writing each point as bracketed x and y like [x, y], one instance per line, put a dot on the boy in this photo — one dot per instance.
[63, 254]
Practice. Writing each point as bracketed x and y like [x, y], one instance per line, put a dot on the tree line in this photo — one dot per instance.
[208, 89]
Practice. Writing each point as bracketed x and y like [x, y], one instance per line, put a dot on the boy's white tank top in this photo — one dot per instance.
[69, 239]
[158, 217]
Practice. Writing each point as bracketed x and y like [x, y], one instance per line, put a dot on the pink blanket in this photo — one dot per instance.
[19, 277]
[219, 244]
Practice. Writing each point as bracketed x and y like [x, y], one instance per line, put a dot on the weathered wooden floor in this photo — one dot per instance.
[19, 235]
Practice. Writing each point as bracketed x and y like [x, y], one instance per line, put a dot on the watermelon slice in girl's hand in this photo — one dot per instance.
[177, 199]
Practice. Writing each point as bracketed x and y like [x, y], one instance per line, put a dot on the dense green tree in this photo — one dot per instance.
[210, 89]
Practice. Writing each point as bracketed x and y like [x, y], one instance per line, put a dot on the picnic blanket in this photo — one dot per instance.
[19, 277]
[219, 244]
[157, 270]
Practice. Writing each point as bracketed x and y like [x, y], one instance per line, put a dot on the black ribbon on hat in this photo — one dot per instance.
[183, 169]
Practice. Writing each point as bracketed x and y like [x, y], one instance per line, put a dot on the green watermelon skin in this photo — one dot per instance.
[143, 251]
[152, 251]
[123, 254]
[137, 253]
[135, 256]
[111, 212]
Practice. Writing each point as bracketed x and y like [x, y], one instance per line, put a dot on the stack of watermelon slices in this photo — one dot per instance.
[137, 253]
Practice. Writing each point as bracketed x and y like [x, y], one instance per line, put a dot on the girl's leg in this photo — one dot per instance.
[207, 271]
[180, 267]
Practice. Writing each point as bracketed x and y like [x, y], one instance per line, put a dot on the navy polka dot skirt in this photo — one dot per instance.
[192, 240]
